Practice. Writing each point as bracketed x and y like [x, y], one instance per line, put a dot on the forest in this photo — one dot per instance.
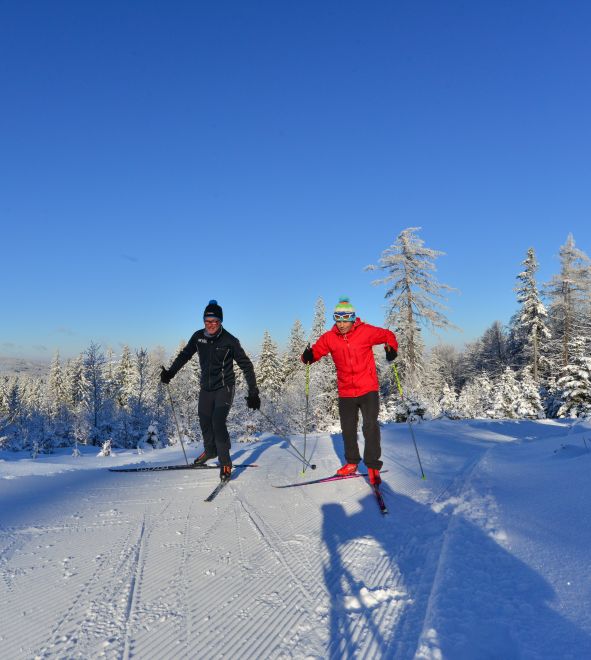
[534, 365]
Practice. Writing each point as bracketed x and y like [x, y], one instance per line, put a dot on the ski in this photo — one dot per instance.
[216, 491]
[323, 480]
[379, 497]
[158, 468]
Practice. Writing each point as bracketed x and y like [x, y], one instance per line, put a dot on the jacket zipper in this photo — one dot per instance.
[350, 360]
[223, 365]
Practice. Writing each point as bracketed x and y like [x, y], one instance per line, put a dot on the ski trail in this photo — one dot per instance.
[420, 542]
[138, 564]
[104, 605]
[456, 492]
[13, 545]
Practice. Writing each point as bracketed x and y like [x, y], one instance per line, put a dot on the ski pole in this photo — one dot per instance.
[285, 437]
[409, 422]
[306, 416]
[176, 421]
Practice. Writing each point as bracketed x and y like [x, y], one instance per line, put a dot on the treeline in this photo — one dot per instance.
[537, 365]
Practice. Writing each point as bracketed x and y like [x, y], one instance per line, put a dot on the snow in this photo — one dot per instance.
[486, 558]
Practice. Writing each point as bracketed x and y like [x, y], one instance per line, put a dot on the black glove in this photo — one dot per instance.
[308, 355]
[390, 353]
[253, 401]
[165, 376]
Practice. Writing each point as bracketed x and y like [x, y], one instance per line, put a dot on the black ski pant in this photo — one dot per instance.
[213, 412]
[349, 408]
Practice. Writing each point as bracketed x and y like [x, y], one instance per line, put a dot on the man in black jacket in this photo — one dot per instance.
[217, 349]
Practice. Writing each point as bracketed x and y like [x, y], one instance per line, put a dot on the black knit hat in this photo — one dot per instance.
[213, 310]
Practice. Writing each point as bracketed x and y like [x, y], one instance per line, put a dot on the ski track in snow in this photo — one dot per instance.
[136, 565]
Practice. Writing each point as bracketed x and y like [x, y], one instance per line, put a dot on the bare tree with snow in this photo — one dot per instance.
[569, 297]
[415, 297]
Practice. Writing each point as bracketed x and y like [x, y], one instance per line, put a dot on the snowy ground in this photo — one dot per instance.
[487, 558]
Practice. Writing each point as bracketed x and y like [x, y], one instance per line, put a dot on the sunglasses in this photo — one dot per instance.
[344, 316]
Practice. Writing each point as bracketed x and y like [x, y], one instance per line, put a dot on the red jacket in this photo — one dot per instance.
[353, 356]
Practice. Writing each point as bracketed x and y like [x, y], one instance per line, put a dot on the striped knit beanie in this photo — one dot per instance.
[344, 306]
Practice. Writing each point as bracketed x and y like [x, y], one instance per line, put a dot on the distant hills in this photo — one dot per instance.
[31, 367]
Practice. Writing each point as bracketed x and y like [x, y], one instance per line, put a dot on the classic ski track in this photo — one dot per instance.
[406, 636]
[382, 574]
[291, 615]
[71, 614]
[15, 543]
[367, 628]
[80, 630]
[136, 573]
[264, 531]
[456, 488]
[109, 612]
[167, 612]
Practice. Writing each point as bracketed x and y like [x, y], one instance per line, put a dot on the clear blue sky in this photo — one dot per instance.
[154, 155]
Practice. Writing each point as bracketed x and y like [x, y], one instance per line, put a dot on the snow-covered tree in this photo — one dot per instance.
[319, 321]
[106, 449]
[94, 401]
[490, 353]
[475, 399]
[448, 402]
[75, 382]
[506, 395]
[415, 298]
[296, 344]
[531, 321]
[268, 369]
[569, 293]
[530, 402]
[56, 385]
[126, 377]
[575, 382]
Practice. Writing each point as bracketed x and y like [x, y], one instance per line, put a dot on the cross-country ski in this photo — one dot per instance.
[191, 466]
[323, 480]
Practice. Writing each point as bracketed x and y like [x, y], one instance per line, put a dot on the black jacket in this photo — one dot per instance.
[216, 357]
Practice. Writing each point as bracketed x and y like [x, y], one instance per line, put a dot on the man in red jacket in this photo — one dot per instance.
[350, 343]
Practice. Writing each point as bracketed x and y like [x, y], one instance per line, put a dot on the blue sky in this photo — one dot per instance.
[155, 155]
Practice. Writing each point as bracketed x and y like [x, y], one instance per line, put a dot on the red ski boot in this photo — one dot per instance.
[347, 469]
[374, 476]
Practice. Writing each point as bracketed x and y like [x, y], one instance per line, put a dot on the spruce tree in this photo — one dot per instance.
[575, 382]
[530, 402]
[448, 402]
[292, 363]
[94, 400]
[268, 369]
[56, 385]
[126, 377]
[475, 399]
[506, 395]
[319, 321]
[531, 320]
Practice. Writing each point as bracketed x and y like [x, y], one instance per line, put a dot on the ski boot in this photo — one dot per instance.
[225, 473]
[202, 459]
[347, 469]
[374, 476]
